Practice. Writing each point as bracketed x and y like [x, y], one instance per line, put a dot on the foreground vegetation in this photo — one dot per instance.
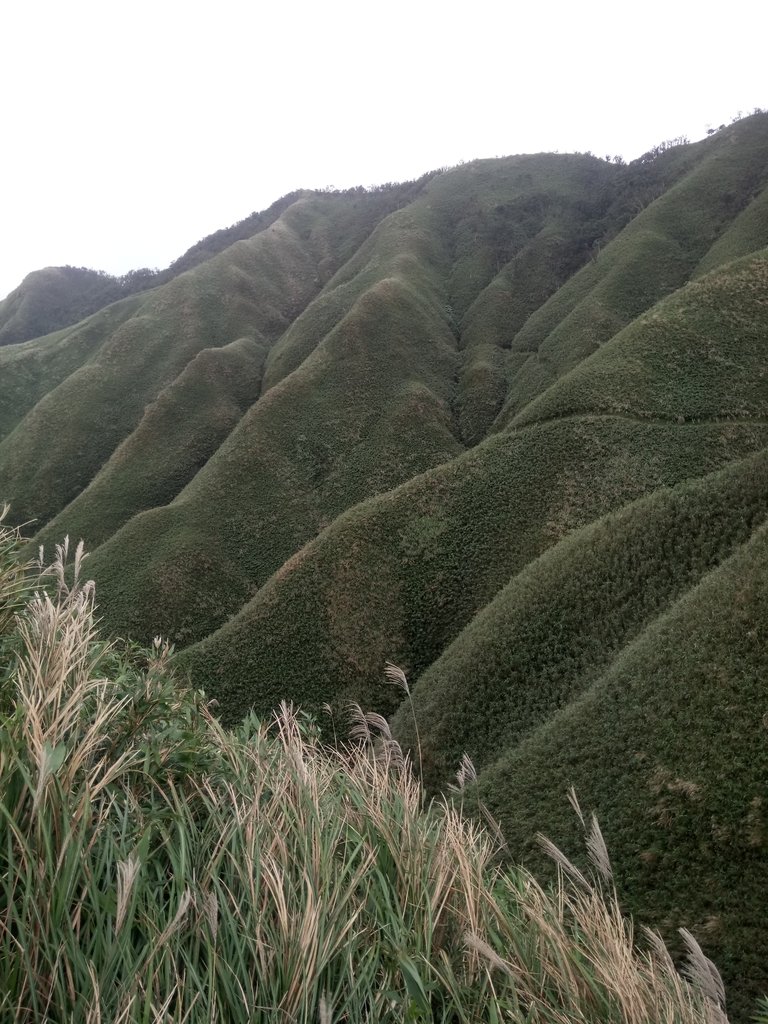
[155, 867]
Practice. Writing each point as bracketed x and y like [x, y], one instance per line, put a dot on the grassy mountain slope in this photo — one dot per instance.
[506, 426]
[699, 355]
[29, 372]
[535, 236]
[522, 286]
[428, 264]
[359, 417]
[654, 255]
[669, 747]
[555, 628]
[447, 542]
[746, 234]
[254, 288]
[399, 576]
[409, 246]
[49, 299]
[480, 215]
[183, 427]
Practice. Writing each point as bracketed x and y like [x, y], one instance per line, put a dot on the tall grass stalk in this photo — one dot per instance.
[155, 867]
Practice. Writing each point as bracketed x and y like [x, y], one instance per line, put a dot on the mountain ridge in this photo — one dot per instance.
[510, 419]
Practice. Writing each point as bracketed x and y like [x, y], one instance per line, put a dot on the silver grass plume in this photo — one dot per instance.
[701, 972]
[466, 774]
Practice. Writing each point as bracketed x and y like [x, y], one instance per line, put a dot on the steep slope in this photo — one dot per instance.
[505, 425]
[427, 265]
[746, 234]
[483, 214]
[255, 288]
[701, 355]
[400, 576]
[358, 417]
[447, 542]
[357, 397]
[54, 298]
[29, 372]
[555, 628]
[533, 242]
[669, 747]
[652, 257]
[182, 428]
[50, 299]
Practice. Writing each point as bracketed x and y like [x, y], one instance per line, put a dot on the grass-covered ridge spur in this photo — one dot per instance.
[505, 426]
[155, 867]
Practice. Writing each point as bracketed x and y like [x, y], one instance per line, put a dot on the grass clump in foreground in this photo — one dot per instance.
[155, 867]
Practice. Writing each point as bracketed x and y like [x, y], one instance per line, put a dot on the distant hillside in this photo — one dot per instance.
[506, 426]
[52, 298]
[56, 297]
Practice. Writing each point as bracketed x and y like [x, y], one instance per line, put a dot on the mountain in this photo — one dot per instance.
[506, 426]
[55, 297]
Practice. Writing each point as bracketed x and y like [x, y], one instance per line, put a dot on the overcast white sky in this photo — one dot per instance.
[133, 129]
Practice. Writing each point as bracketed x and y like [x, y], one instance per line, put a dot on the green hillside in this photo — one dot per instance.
[428, 556]
[56, 297]
[185, 425]
[654, 255]
[506, 426]
[554, 629]
[700, 355]
[668, 745]
[29, 372]
[253, 289]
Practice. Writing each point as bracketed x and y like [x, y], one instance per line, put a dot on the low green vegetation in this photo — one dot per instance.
[379, 382]
[193, 415]
[157, 868]
[746, 234]
[558, 625]
[54, 298]
[400, 576]
[654, 255]
[29, 372]
[506, 426]
[254, 289]
[699, 355]
[668, 745]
